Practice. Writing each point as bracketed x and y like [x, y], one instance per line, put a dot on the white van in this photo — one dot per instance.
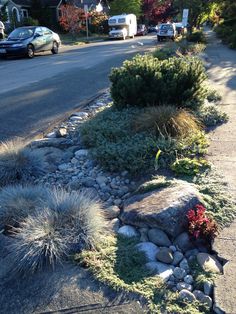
[122, 26]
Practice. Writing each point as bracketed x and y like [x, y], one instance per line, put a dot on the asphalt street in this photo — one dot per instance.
[36, 93]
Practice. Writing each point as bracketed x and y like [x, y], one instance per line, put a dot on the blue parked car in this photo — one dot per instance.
[28, 40]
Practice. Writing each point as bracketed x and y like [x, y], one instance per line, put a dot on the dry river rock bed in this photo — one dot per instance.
[157, 219]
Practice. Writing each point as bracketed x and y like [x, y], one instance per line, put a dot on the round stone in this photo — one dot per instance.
[128, 231]
[209, 263]
[184, 264]
[183, 242]
[192, 252]
[165, 255]
[179, 273]
[144, 236]
[188, 279]
[178, 256]
[183, 285]
[158, 237]
[114, 225]
[162, 270]
[186, 295]
[208, 287]
[202, 298]
[149, 249]
[112, 212]
[117, 202]
[170, 284]
[173, 248]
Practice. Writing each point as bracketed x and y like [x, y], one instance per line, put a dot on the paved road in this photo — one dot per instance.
[35, 93]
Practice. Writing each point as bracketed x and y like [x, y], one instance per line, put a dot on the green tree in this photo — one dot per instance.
[227, 23]
[198, 10]
[124, 6]
[41, 13]
[3, 13]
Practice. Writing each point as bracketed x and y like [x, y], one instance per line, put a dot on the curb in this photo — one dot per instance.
[65, 116]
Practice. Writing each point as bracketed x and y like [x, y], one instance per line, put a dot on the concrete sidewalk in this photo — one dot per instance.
[222, 153]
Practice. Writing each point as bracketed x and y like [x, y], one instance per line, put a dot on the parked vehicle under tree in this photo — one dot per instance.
[165, 31]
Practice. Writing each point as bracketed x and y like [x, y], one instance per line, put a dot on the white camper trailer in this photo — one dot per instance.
[122, 26]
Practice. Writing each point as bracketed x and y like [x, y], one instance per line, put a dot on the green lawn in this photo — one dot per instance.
[69, 39]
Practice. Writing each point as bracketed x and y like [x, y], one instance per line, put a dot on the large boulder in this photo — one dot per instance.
[165, 209]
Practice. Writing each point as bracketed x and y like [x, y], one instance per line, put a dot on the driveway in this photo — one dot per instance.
[36, 93]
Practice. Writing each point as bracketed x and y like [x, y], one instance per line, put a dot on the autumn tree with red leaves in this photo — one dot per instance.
[156, 11]
[98, 21]
[72, 19]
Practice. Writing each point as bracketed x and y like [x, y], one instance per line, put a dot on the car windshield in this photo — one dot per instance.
[21, 33]
[166, 27]
[118, 27]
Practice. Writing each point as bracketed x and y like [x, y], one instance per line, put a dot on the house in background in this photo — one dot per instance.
[19, 9]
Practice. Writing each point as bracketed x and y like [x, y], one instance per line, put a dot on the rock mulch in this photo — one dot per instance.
[156, 219]
[69, 164]
[173, 264]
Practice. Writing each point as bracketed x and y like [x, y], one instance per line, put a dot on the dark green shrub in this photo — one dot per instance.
[196, 37]
[164, 53]
[227, 32]
[29, 21]
[147, 81]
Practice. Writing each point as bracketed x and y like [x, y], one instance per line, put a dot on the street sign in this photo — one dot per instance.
[185, 17]
[99, 7]
[86, 9]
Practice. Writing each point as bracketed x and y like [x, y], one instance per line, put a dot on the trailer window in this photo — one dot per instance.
[121, 20]
[112, 21]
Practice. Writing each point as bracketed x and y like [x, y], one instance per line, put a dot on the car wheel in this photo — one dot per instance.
[30, 51]
[55, 48]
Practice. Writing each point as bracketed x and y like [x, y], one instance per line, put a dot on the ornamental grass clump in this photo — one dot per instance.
[167, 121]
[146, 81]
[197, 36]
[19, 163]
[81, 217]
[38, 242]
[61, 224]
[17, 202]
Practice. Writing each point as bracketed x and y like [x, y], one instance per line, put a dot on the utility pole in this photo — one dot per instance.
[86, 18]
